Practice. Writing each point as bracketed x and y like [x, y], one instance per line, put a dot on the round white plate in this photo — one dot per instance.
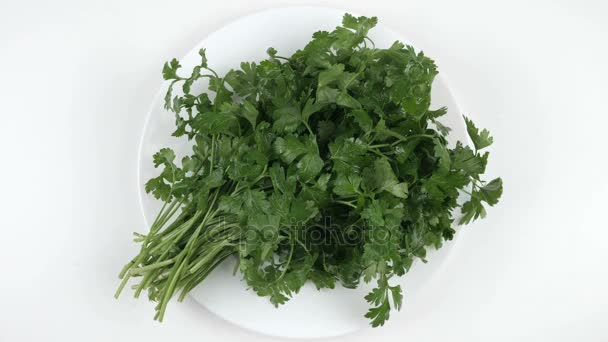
[310, 313]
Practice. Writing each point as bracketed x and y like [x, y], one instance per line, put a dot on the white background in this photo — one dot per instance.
[77, 80]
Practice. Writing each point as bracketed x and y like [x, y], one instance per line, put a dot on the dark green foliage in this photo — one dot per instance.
[326, 166]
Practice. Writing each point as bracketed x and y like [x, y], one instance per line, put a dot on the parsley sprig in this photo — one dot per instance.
[326, 166]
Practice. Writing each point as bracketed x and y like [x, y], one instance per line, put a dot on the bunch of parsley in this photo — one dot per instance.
[325, 166]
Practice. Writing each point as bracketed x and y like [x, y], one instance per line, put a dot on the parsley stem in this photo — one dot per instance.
[208, 256]
[378, 153]
[179, 231]
[143, 269]
[308, 128]
[173, 208]
[182, 261]
[236, 266]
[200, 276]
[162, 209]
[466, 192]
[302, 244]
[288, 260]
[347, 203]
[370, 40]
[212, 152]
[404, 139]
[124, 273]
[213, 72]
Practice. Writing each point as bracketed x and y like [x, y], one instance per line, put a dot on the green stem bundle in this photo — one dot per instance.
[178, 256]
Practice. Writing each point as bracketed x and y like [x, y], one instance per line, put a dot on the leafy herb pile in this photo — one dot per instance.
[325, 166]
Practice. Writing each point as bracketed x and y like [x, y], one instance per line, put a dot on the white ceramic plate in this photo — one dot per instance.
[311, 313]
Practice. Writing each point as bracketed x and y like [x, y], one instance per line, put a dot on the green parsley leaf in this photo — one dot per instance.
[170, 70]
[480, 140]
